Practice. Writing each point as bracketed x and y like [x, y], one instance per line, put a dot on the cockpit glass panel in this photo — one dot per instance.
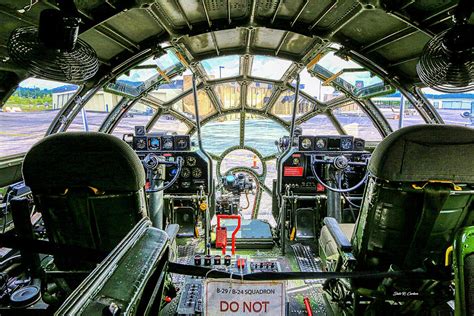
[263, 142]
[221, 133]
[94, 112]
[139, 115]
[34, 104]
[258, 94]
[283, 107]
[335, 64]
[269, 67]
[318, 125]
[167, 123]
[170, 90]
[241, 158]
[313, 86]
[143, 77]
[229, 94]
[222, 67]
[356, 122]
[361, 79]
[185, 106]
[454, 108]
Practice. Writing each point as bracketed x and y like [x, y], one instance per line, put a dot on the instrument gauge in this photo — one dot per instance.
[306, 143]
[181, 144]
[346, 143]
[320, 143]
[140, 143]
[197, 173]
[168, 143]
[185, 173]
[191, 161]
[154, 143]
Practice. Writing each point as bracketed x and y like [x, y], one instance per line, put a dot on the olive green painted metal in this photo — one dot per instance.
[144, 251]
[463, 270]
[10, 169]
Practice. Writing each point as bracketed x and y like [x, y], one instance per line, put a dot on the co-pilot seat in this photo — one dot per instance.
[418, 195]
[89, 188]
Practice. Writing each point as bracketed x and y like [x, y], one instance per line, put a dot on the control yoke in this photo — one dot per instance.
[340, 163]
[155, 173]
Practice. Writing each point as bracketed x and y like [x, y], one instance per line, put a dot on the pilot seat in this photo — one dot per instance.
[418, 196]
[89, 188]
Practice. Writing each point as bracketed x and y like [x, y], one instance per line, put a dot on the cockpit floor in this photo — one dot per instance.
[296, 290]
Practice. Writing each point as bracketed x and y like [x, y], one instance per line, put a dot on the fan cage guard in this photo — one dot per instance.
[74, 66]
[445, 71]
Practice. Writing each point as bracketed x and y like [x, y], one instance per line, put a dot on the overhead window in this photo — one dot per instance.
[147, 74]
[269, 67]
[222, 67]
[29, 111]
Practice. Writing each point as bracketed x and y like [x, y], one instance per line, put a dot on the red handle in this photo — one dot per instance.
[308, 306]
[236, 230]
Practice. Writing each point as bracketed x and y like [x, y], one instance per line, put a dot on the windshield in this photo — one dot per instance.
[27, 114]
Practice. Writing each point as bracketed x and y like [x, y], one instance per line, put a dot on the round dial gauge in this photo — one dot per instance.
[197, 173]
[346, 143]
[141, 143]
[167, 143]
[191, 161]
[154, 143]
[306, 143]
[320, 143]
[185, 173]
[181, 144]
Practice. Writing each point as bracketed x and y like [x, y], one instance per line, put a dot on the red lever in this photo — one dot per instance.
[234, 233]
[308, 306]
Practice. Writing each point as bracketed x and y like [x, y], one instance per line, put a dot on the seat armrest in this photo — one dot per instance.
[336, 232]
[172, 231]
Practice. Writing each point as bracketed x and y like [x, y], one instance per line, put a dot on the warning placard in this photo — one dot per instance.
[244, 297]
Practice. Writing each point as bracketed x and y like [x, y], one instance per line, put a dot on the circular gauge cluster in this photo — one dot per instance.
[197, 172]
[185, 173]
[346, 143]
[190, 161]
[307, 143]
[154, 143]
[140, 143]
[167, 143]
[320, 143]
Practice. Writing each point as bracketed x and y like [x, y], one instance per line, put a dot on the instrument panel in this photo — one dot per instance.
[156, 142]
[330, 143]
[195, 172]
[296, 166]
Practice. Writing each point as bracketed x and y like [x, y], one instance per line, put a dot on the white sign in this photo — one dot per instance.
[225, 297]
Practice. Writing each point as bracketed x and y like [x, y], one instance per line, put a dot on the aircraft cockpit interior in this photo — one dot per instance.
[236, 157]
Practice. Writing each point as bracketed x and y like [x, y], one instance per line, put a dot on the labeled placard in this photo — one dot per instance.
[244, 297]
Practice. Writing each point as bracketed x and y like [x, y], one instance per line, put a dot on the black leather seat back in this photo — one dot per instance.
[89, 189]
[411, 208]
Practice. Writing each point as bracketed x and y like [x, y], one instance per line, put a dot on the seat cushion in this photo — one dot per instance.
[328, 245]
